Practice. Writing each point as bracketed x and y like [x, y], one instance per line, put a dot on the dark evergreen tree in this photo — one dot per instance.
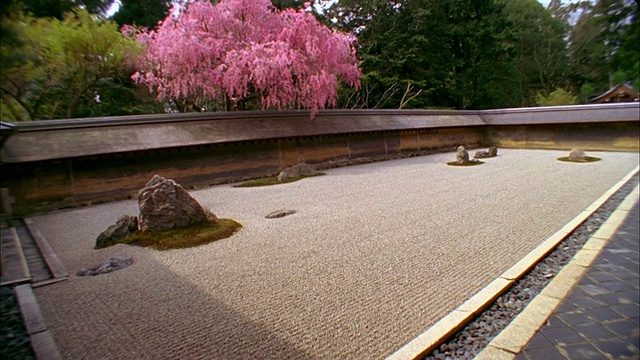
[540, 48]
[626, 60]
[603, 45]
[144, 13]
[57, 8]
[455, 54]
[289, 4]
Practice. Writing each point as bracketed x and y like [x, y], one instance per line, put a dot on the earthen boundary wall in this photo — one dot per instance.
[65, 163]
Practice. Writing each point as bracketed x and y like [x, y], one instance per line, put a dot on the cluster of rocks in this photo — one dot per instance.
[164, 205]
[476, 335]
[107, 266]
[462, 155]
[124, 227]
[295, 171]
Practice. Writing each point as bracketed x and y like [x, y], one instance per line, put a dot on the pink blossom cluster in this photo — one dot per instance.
[237, 47]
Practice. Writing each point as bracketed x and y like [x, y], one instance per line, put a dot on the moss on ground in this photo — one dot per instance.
[273, 180]
[469, 163]
[586, 159]
[180, 238]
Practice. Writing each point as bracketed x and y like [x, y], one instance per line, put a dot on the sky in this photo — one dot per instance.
[114, 7]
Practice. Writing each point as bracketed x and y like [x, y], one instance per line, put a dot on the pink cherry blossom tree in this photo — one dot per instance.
[239, 48]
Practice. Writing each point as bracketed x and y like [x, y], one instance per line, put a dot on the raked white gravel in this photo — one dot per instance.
[374, 255]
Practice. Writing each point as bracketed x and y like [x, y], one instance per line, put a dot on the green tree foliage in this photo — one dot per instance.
[540, 47]
[462, 54]
[486, 54]
[437, 53]
[8, 35]
[57, 8]
[557, 97]
[143, 13]
[9, 59]
[626, 61]
[374, 23]
[603, 43]
[586, 92]
[71, 68]
[288, 4]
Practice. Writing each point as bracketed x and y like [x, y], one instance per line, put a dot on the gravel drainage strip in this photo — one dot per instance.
[463, 334]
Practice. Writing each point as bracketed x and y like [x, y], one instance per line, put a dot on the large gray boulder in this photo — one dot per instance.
[491, 152]
[577, 155]
[164, 205]
[462, 155]
[124, 227]
[301, 169]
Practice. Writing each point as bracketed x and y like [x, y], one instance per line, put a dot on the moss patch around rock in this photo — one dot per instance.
[180, 238]
[470, 163]
[273, 180]
[587, 159]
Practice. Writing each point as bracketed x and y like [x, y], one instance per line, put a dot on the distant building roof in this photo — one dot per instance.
[617, 94]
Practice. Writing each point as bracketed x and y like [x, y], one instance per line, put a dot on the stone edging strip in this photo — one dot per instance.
[26, 273]
[457, 319]
[50, 258]
[42, 341]
[514, 337]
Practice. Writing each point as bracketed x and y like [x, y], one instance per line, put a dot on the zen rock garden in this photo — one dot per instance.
[165, 205]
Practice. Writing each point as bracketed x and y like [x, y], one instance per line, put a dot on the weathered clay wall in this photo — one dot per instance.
[53, 184]
[613, 127]
[618, 136]
[55, 164]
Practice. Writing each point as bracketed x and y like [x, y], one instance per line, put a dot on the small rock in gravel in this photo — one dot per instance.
[107, 266]
[279, 214]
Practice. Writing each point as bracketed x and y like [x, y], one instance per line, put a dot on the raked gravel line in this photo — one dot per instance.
[375, 255]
